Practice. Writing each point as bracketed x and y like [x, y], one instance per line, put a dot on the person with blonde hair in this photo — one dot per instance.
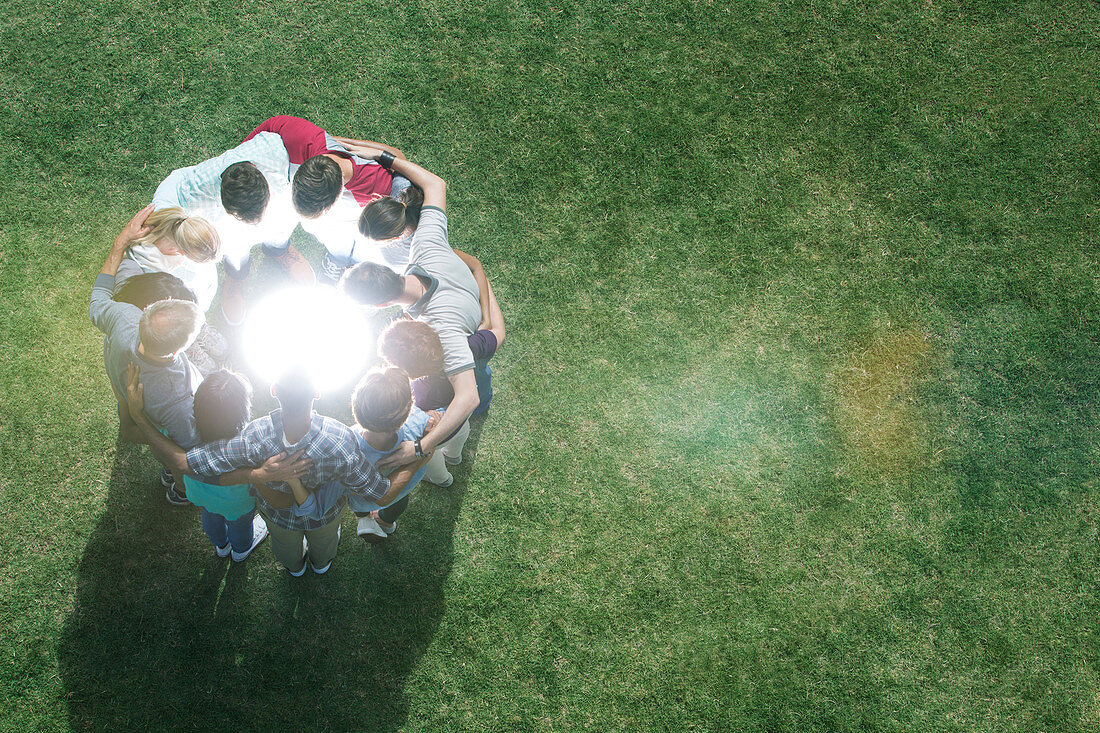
[185, 246]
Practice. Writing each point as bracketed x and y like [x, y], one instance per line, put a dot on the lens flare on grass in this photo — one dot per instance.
[312, 328]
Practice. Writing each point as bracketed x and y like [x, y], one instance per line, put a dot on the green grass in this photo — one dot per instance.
[796, 424]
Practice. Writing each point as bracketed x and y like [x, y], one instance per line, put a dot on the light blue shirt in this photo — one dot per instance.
[328, 494]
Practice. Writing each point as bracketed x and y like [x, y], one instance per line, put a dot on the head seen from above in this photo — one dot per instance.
[370, 283]
[414, 346]
[223, 405]
[316, 186]
[389, 218]
[382, 400]
[147, 288]
[295, 391]
[168, 327]
[245, 192]
[173, 232]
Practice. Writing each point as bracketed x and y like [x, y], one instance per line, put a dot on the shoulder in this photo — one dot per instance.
[335, 430]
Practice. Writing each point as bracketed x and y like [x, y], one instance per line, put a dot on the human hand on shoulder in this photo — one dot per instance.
[135, 392]
[434, 416]
[403, 455]
[134, 230]
[356, 147]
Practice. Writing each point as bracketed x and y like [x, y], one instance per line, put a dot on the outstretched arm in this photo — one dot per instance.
[276, 468]
[400, 478]
[461, 407]
[104, 311]
[434, 188]
[133, 231]
[349, 141]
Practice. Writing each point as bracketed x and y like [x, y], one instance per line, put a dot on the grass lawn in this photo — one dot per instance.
[795, 425]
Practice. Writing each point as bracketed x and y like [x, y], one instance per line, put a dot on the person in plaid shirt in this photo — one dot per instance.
[299, 530]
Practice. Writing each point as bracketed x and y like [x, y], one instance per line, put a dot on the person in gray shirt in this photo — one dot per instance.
[438, 288]
[154, 340]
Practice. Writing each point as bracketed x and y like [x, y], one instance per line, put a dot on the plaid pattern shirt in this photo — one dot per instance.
[331, 446]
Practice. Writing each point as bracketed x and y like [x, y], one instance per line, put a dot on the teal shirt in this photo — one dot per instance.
[232, 502]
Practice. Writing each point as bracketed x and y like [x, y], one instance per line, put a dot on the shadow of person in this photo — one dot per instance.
[165, 635]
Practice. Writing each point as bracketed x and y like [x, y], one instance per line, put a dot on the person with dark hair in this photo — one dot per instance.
[245, 195]
[385, 414]
[330, 186]
[301, 526]
[223, 405]
[147, 288]
[388, 225]
[414, 346]
[210, 350]
[245, 192]
[438, 288]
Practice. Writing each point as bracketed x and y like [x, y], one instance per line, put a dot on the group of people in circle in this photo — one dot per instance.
[382, 222]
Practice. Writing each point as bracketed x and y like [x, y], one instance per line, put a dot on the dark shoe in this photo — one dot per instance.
[174, 497]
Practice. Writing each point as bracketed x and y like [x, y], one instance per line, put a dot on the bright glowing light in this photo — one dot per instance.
[314, 328]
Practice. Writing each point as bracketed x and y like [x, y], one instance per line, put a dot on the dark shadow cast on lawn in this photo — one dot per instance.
[164, 635]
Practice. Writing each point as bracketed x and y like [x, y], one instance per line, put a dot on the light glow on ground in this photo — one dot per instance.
[314, 328]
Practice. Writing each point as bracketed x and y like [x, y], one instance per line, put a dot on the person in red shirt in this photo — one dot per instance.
[312, 150]
[330, 185]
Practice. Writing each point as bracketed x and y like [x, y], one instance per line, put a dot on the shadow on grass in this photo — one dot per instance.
[165, 635]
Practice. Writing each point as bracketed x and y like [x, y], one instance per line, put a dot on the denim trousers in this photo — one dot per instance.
[237, 532]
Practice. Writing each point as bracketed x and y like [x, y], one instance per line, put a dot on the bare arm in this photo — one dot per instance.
[134, 230]
[400, 478]
[277, 468]
[461, 407]
[275, 499]
[103, 310]
[349, 141]
[495, 322]
[299, 491]
[127, 428]
[434, 188]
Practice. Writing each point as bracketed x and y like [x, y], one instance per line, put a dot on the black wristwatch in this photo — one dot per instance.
[419, 451]
[386, 159]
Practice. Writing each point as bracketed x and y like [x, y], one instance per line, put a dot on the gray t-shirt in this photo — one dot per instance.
[451, 304]
[169, 388]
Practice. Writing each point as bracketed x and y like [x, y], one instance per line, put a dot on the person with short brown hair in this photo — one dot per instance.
[385, 414]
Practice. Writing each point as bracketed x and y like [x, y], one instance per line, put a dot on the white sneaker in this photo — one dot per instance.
[444, 483]
[259, 532]
[223, 551]
[382, 525]
[369, 529]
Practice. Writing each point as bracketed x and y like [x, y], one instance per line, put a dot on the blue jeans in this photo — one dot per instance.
[483, 376]
[237, 532]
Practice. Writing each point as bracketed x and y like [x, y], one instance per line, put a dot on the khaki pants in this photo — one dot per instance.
[287, 544]
[437, 472]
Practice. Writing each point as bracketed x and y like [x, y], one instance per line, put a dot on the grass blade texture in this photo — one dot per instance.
[795, 425]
